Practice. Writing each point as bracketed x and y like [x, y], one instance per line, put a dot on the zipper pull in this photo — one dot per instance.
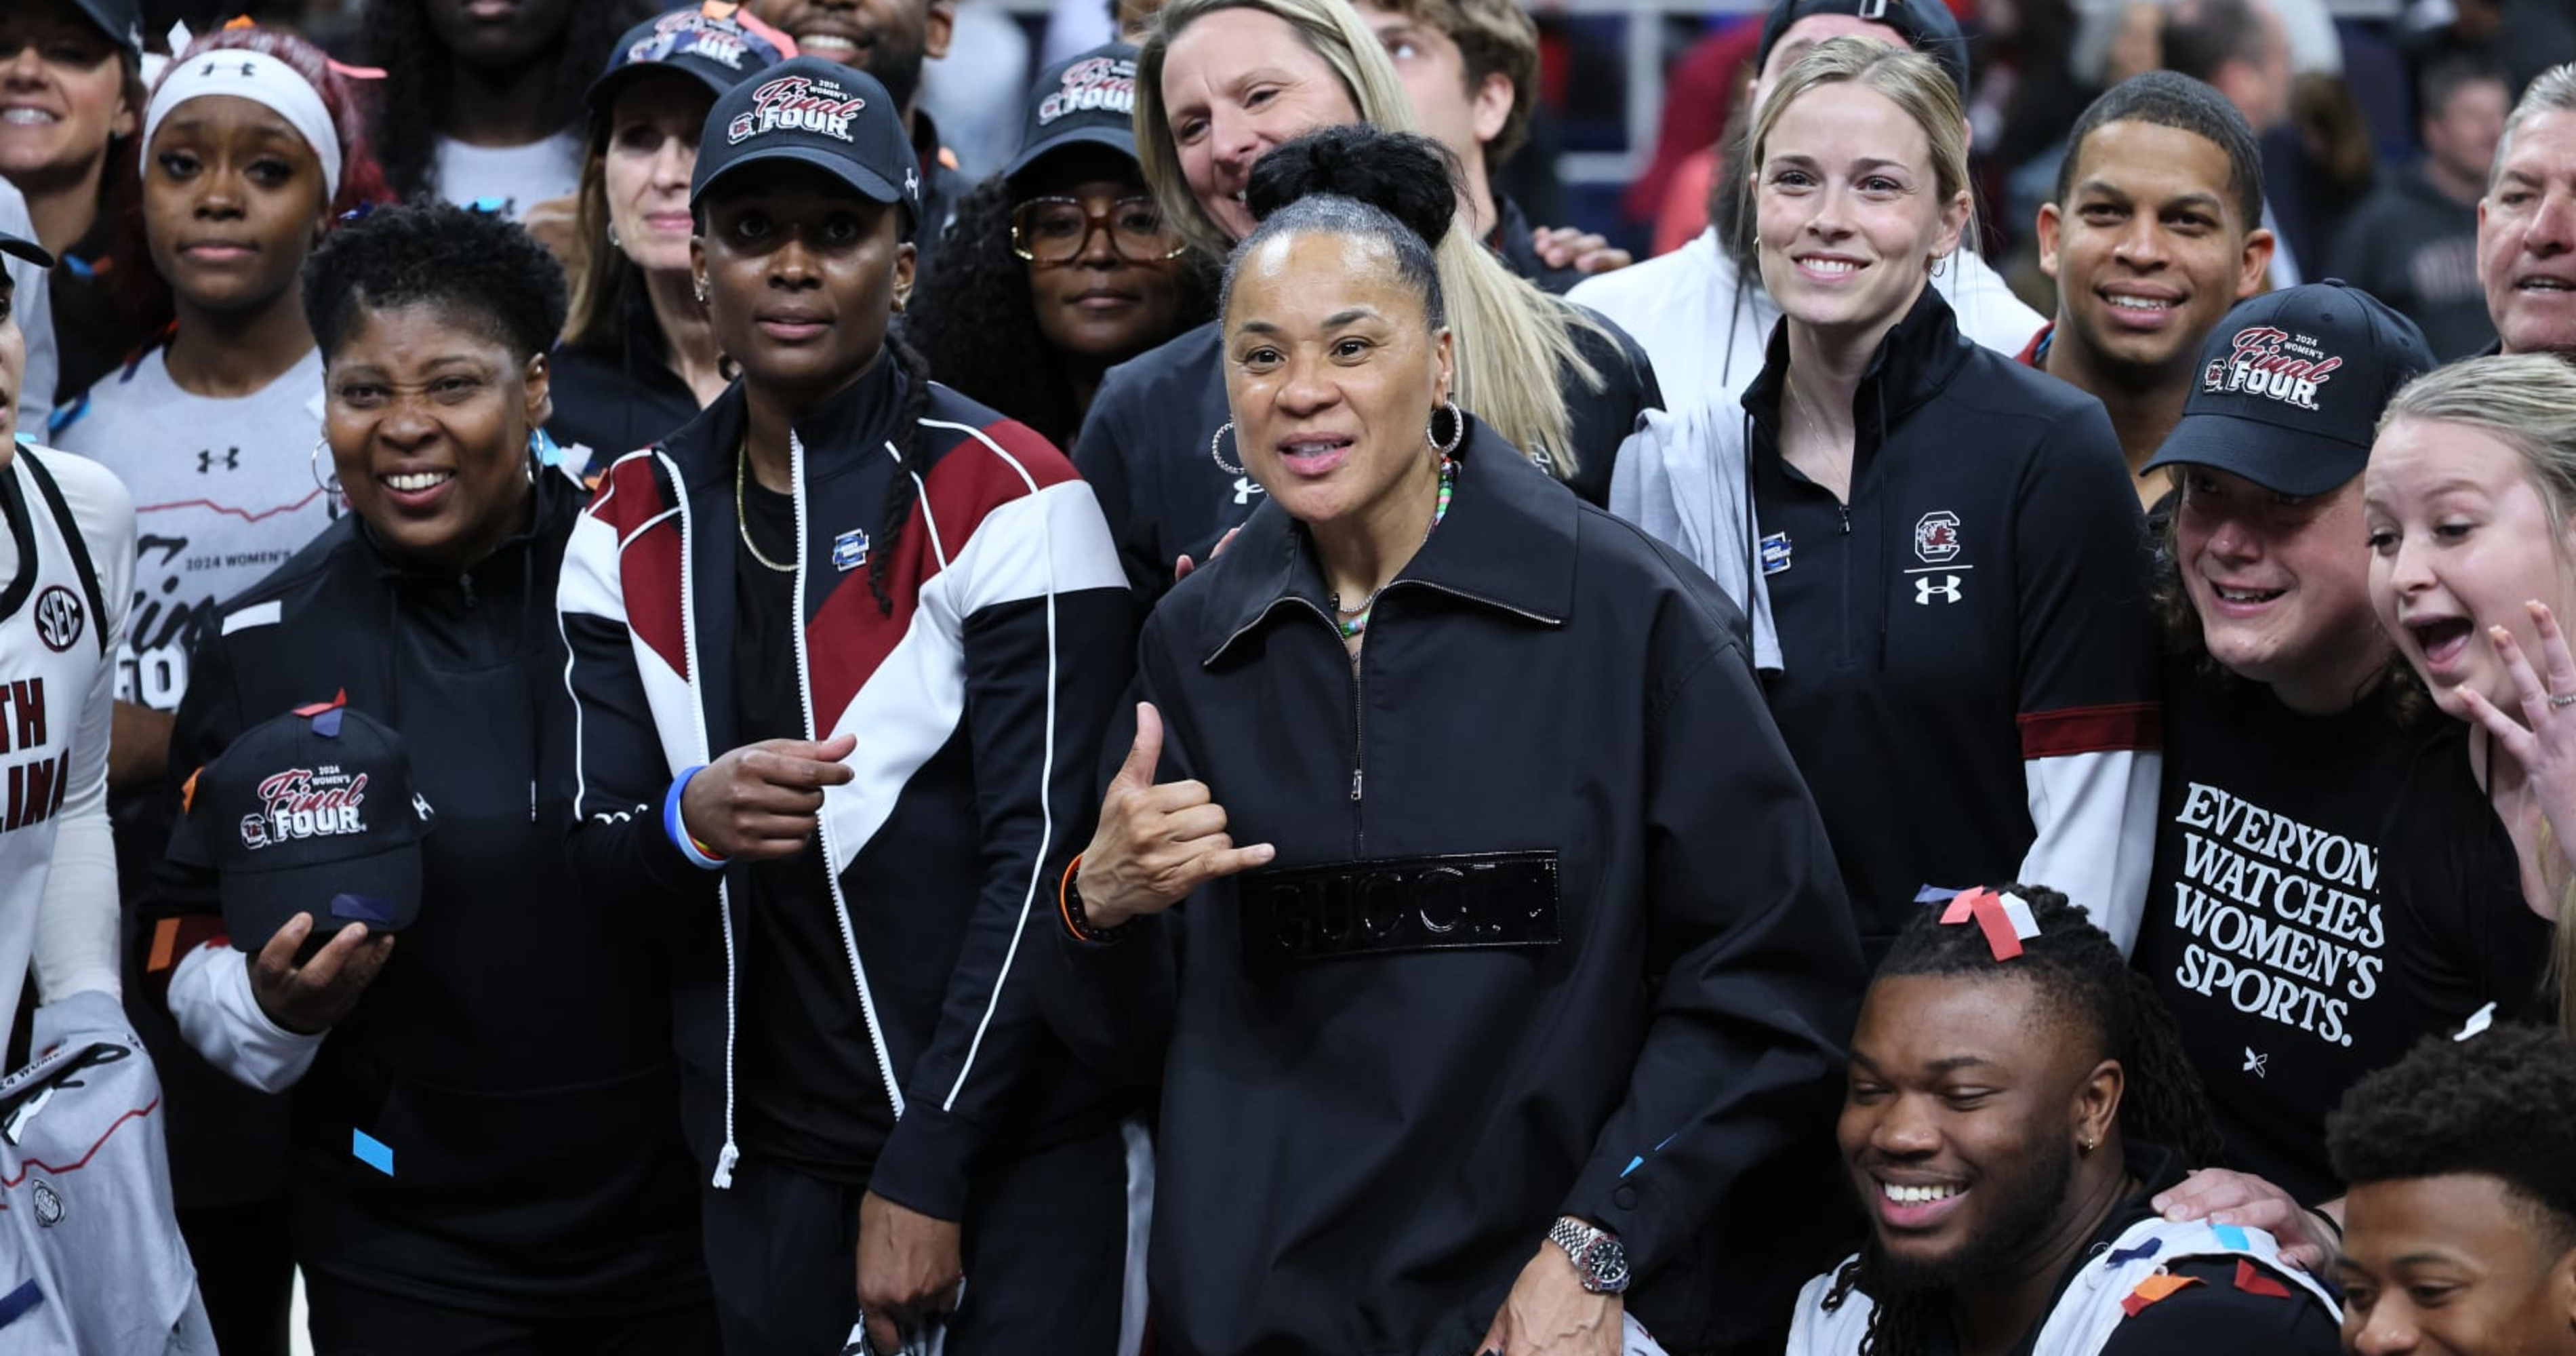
[1355, 785]
[1845, 511]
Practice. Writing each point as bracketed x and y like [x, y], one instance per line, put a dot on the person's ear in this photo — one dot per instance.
[129, 120]
[1490, 104]
[1954, 225]
[907, 259]
[938, 27]
[2254, 269]
[538, 379]
[1444, 359]
[2097, 1104]
[698, 266]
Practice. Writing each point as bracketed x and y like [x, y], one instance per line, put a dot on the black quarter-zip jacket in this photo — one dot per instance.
[1618, 988]
[1966, 640]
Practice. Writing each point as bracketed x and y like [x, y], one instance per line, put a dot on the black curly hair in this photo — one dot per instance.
[972, 318]
[484, 268]
[2094, 996]
[411, 101]
[1397, 188]
[2499, 1104]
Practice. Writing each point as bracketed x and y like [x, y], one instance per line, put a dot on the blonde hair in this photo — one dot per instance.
[1915, 83]
[2526, 401]
[1503, 330]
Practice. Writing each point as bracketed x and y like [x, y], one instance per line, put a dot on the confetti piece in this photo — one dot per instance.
[2231, 1237]
[2155, 1290]
[371, 1151]
[2251, 1280]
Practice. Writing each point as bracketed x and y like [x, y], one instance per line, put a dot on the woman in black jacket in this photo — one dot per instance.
[490, 1155]
[1488, 1023]
[1964, 658]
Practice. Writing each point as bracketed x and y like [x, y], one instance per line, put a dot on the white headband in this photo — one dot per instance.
[262, 79]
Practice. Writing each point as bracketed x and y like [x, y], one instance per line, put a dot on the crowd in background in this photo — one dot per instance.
[1114, 681]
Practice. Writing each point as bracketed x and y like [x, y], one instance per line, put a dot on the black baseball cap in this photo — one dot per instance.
[1086, 100]
[710, 41]
[1926, 25]
[812, 112]
[314, 812]
[120, 20]
[2291, 387]
[28, 250]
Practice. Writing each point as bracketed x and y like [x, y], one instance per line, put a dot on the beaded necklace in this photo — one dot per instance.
[1352, 621]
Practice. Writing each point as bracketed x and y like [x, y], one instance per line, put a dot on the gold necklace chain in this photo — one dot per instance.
[742, 521]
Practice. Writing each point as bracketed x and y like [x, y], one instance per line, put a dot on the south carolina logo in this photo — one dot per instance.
[59, 618]
[1936, 537]
[1105, 84]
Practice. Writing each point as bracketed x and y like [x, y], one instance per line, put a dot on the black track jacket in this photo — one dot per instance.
[1553, 929]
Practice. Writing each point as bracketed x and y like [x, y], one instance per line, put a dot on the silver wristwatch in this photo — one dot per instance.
[1597, 1255]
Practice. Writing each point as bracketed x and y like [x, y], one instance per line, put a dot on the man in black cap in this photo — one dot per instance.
[2281, 756]
[1702, 309]
[888, 39]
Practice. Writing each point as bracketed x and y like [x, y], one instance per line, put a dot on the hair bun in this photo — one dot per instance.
[1409, 177]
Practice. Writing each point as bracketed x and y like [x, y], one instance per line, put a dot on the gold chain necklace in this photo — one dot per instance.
[742, 521]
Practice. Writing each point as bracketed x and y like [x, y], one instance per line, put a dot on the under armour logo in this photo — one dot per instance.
[231, 459]
[1244, 488]
[1925, 590]
[2254, 1063]
[911, 183]
[248, 70]
[1871, 9]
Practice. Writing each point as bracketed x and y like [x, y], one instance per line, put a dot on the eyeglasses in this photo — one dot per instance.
[1057, 230]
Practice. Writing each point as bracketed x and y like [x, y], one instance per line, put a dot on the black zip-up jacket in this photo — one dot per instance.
[1553, 929]
[515, 1052]
[1970, 678]
[1144, 446]
[978, 705]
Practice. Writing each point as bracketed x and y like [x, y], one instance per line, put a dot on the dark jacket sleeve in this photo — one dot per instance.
[1111, 433]
[1113, 1002]
[1760, 974]
[1045, 637]
[618, 776]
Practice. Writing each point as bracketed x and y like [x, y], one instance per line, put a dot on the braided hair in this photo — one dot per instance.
[910, 476]
[2081, 975]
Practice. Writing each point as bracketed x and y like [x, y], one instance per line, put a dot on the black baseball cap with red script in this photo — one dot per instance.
[714, 43]
[1926, 25]
[314, 812]
[1088, 99]
[2291, 385]
[810, 111]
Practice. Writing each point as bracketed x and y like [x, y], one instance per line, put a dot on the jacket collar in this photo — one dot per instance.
[1914, 362]
[554, 501]
[859, 415]
[1507, 544]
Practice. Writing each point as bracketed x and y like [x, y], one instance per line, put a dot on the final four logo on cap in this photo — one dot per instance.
[799, 103]
[694, 32]
[1100, 84]
[2267, 361]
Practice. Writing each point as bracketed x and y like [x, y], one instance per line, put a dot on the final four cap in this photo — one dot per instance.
[1087, 100]
[120, 20]
[1926, 25]
[2291, 385]
[314, 812]
[28, 250]
[712, 42]
[809, 111]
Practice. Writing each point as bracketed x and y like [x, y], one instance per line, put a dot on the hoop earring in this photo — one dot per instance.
[1457, 428]
[331, 485]
[1215, 452]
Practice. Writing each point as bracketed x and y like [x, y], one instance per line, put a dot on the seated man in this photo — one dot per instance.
[2460, 1227]
[2016, 1097]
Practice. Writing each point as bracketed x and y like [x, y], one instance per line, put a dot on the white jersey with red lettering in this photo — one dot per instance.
[66, 578]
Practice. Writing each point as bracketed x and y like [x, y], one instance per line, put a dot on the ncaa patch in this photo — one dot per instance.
[849, 551]
[1775, 553]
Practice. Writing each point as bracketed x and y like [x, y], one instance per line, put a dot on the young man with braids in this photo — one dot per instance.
[2016, 1098]
[2460, 1226]
[843, 650]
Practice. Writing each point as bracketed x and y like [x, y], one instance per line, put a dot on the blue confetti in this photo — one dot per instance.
[2143, 1250]
[1934, 894]
[1633, 1165]
[373, 1152]
[2232, 1237]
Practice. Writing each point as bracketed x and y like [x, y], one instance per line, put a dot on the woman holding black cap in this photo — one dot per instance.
[486, 1158]
[1067, 235]
[637, 359]
[1219, 82]
[843, 649]
[1456, 1035]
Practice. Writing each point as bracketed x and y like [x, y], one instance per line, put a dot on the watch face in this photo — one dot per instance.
[1608, 1264]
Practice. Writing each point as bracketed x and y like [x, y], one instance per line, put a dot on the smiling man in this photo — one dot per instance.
[2527, 222]
[2016, 1098]
[2462, 1221]
[2154, 231]
[888, 39]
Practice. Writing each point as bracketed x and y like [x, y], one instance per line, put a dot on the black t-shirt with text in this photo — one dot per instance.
[2262, 932]
[2460, 934]
[811, 1096]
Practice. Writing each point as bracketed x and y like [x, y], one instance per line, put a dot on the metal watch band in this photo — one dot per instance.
[1598, 1257]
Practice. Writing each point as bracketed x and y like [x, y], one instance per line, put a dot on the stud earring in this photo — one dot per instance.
[613, 242]
[702, 291]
